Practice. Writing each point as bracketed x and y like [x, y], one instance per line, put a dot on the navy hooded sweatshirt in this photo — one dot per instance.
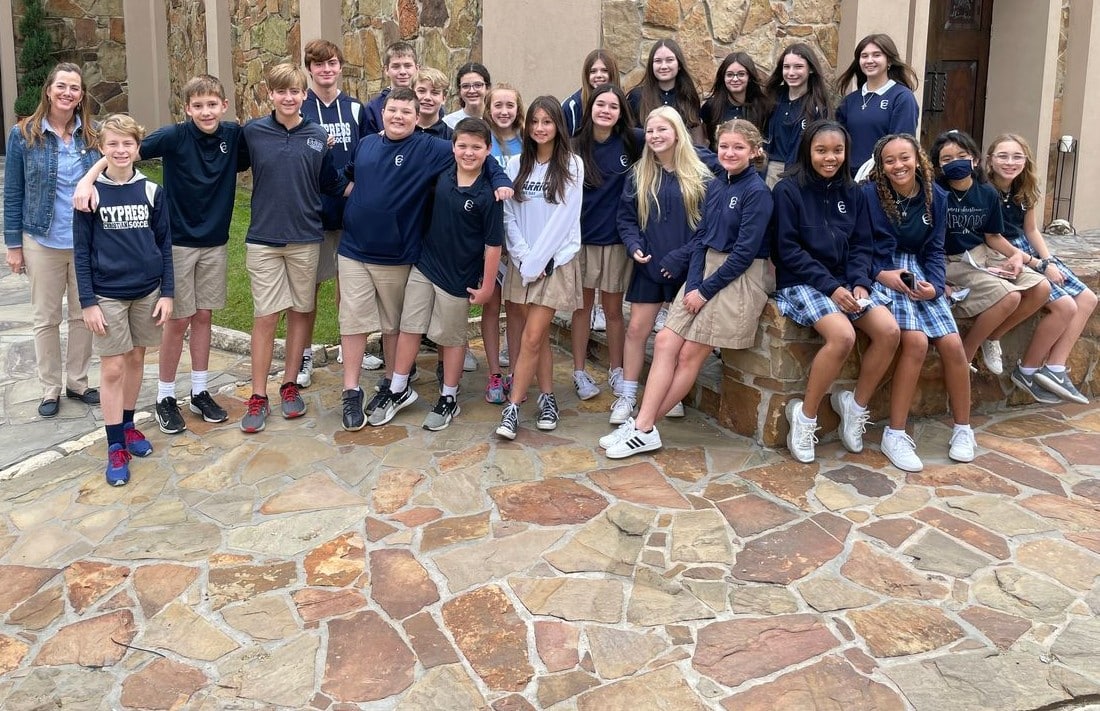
[919, 233]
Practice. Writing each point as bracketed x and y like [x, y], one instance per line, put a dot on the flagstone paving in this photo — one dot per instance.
[393, 568]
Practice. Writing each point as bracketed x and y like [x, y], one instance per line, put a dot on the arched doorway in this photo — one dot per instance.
[957, 68]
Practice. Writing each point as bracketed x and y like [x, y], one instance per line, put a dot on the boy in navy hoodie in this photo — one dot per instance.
[401, 70]
[123, 257]
[345, 120]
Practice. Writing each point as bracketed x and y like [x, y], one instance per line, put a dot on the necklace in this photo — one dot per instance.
[960, 198]
[903, 204]
[867, 99]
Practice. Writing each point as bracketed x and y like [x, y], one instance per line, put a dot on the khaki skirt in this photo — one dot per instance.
[730, 319]
[560, 291]
[605, 267]
[985, 289]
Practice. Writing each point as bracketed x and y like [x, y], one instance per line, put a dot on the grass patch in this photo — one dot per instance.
[237, 313]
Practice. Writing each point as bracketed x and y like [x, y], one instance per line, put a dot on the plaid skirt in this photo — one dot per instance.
[1072, 285]
[932, 317]
[805, 305]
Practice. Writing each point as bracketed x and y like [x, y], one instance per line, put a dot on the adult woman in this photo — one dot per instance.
[883, 100]
[908, 219]
[471, 82]
[801, 96]
[667, 83]
[737, 93]
[543, 224]
[608, 146]
[47, 154]
[599, 68]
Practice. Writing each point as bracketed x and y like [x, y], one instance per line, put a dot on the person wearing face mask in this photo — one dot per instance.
[1001, 293]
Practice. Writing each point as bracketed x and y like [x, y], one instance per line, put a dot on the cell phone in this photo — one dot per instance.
[910, 280]
[550, 267]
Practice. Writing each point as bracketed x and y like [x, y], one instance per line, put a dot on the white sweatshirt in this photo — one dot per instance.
[537, 230]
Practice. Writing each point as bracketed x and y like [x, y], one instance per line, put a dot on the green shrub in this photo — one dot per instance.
[35, 58]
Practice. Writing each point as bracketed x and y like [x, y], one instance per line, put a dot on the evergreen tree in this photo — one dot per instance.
[35, 58]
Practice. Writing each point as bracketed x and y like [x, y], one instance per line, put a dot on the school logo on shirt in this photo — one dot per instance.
[223, 147]
[124, 217]
[841, 207]
[624, 161]
[398, 160]
[468, 206]
[733, 202]
[340, 131]
[926, 219]
[884, 104]
[804, 124]
[316, 144]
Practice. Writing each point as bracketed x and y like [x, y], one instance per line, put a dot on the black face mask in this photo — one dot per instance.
[958, 169]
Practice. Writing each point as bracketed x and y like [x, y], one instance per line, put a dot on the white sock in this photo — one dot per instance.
[399, 382]
[451, 390]
[889, 432]
[198, 381]
[308, 353]
[1056, 368]
[630, 389]
[961, 428]
[578, 373]
[1028, 371]
[807, 420]
[165, 390]
[856, 407]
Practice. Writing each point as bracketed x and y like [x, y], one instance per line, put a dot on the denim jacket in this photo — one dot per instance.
[30, 180]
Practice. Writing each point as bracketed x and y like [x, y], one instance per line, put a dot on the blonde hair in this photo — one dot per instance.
[692, 174]
[1024, 190]
[745, 129]
[123, 124]
[31, 127]
[286, 76]
[433, 76]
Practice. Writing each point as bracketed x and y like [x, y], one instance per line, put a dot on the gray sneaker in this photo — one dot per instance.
[442, 414]
[1032, 388]
[255, 414]
[293, 404]
[1059, 384]
[391, 404]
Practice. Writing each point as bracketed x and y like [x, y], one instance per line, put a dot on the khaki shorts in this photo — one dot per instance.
[730, 319]
[326, 260]
[985, 289]
[200, 279]
[560, 291]
[282, 277]
[130, 324]
[429, 309]
[605, 267]
[371, 296]
[775, 171]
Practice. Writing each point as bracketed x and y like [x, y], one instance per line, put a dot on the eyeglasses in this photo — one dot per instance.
[737, 75]
[1010, 157]
[472, 87]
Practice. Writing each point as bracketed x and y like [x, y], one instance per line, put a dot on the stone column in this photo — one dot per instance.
[1023, 68]
[219, 51]
[1081, 106]
[321, 20]
[8, 87]
[906, 21]
[147, 62]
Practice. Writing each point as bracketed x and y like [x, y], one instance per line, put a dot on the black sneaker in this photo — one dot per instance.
[381, 392]
[442, 414]
[548, 412]
[203, 404]
[169, 417]
[509, 421]
[353, 410]
[391, 405]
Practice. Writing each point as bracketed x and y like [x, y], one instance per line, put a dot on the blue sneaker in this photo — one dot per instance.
[136, 444]
[118, 465]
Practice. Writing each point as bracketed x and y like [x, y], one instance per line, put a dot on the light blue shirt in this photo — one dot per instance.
[70, 170]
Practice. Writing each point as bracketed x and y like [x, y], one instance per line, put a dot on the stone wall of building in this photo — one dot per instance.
[710, 29]
[90, 33]
[186, 47]
[264, 33]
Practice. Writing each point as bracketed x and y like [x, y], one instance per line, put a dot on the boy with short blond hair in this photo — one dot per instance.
[123, 257]
[430, 86]
[291, 168]
[400, 68]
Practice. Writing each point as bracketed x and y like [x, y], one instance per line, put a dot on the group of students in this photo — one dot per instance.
[653, 197]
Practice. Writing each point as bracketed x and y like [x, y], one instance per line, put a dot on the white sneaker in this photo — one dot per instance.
[305, 372]
[586, 387]
[599, 320]
[503, 359]
[802, 436]
[634, 442]
[659, 323]
[992, 356]
[469, 365]
[852, 424]
[372, 362]
[962, 445]
[901, 450]
[615, 381]
[340, 355]
[622, 409]
[621, 431]
[676, 411]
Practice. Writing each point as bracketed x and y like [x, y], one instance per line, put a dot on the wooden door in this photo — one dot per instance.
[957, 66]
